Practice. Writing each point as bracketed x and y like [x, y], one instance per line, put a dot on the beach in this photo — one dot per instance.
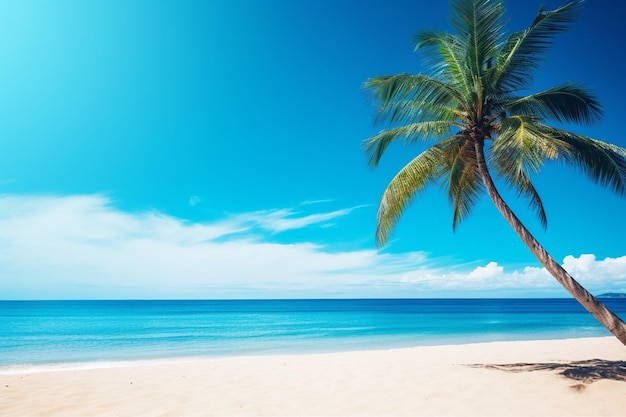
[452, 380]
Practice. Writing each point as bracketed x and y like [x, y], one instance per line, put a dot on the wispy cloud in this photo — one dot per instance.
[85, 247]
[308, 202]
[281, 220]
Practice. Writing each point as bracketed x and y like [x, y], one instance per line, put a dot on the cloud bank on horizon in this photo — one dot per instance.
[83, 247]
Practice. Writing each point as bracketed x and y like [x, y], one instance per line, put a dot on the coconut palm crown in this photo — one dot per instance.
[474, 110]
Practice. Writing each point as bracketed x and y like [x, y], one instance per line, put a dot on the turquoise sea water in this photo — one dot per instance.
[54, 332]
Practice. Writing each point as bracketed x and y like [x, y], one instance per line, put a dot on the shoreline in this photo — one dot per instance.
[427, 380]
[30, 368]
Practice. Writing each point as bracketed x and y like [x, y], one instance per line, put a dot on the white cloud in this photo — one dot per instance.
[85, 247]
[281, 220]
[588, 269]
[307, 202]
[597, 276]
[485, 272]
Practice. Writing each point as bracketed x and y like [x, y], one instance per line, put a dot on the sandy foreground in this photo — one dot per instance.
[421, 381]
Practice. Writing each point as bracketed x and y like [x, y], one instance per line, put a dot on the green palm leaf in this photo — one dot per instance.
[479, 25]
[521, 53]
[421, 172]
[448, 62]
[564, 103]
[376, 145]
[463, 180]
[408, 97]
[519, 151]
[603, 162]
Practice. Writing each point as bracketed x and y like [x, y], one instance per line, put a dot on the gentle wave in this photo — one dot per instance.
[53, 332]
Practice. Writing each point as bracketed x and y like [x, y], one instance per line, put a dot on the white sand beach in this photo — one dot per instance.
[421, 381]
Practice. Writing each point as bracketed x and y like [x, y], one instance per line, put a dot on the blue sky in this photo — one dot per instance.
[212, 149]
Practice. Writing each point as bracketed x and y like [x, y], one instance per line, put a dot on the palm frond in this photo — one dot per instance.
[523, 144]
[388, 88]
[479, 23]
[603, 162]
[422, 171]
[565, 103]
[521, 53]
[521, 148]
[417, 90]
[463, 180]
[449, 60]
[376, 145]
[519, 181]
[525, 188]
[413, 110]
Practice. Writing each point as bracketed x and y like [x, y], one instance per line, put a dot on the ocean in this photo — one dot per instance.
[72, 332]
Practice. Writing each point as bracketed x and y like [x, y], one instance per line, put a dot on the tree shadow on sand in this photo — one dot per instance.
[587, 371]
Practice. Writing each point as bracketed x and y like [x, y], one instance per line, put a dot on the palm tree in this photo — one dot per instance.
[474, 109]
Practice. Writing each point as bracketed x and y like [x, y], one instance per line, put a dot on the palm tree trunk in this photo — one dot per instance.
[605, 316]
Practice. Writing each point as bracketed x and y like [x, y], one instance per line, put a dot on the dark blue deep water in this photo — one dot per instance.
[49, 332]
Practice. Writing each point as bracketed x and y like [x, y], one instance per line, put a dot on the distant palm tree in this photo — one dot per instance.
[473, 108]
